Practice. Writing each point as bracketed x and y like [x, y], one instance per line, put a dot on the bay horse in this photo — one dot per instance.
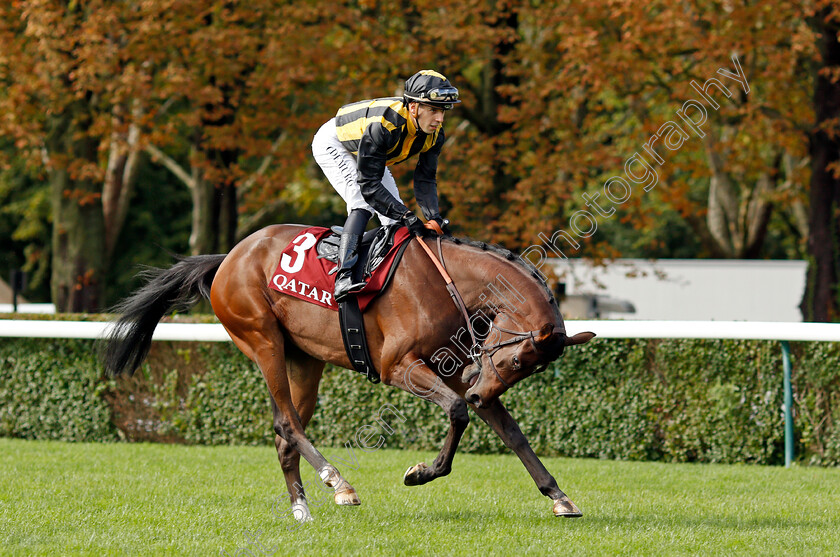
[409, 325]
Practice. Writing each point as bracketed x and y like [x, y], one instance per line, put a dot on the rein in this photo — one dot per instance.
[477, 350]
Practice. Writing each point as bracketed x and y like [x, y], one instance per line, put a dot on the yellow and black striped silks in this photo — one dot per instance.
[388, 124]
[380, 132]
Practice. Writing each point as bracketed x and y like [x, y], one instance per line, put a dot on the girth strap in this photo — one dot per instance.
[352, 324]
[353, 334]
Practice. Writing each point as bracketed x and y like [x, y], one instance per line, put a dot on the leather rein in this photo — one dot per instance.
[477, 350]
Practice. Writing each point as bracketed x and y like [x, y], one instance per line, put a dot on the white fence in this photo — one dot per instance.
[214, 332]
[28, 308]
[205, 332]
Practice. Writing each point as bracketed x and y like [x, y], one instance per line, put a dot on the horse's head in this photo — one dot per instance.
[510, 353]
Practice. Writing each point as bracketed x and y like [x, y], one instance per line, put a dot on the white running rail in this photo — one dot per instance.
[205, 332]
[214, 332]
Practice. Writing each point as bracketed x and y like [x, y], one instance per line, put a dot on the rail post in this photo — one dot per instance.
[788, 405]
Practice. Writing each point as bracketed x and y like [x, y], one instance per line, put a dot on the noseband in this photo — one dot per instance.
[478, 350]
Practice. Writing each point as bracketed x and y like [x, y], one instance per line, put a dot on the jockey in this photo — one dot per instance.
[355, 148]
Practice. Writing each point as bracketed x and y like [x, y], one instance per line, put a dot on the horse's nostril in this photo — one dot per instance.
[473, 398]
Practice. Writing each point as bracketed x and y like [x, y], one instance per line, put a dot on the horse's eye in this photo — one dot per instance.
[515, 362]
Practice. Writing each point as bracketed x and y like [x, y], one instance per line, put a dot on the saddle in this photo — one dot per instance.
[373, 249]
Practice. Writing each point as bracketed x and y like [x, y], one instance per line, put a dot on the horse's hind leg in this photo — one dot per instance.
[304, 375]
[263, 342]
[303, 382]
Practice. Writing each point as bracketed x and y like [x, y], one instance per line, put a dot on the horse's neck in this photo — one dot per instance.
[486, 280]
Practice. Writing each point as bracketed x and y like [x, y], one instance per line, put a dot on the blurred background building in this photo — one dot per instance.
[682, 289]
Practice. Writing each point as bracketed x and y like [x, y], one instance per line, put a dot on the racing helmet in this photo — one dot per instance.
[432, 88]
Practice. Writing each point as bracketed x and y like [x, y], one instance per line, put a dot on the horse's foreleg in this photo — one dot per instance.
[498, 418]
[414, 376]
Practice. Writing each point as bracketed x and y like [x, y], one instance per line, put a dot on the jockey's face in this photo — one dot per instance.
[428, 118]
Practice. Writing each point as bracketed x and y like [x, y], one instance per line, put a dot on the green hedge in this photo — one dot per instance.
[676, 400]
[53, 390]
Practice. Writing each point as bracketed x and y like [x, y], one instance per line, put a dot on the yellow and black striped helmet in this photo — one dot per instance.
[432, 88]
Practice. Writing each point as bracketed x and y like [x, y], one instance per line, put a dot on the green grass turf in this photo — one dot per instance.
[141, 499]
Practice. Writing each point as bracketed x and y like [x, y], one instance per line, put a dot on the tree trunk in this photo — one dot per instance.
[124, 160]
[504, 21]
[214, 215]
[228, 217]
[203, 235]
[737, 215]
[78, 224]
[820, 302]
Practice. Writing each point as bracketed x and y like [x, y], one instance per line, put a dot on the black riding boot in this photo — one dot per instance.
[348, 253]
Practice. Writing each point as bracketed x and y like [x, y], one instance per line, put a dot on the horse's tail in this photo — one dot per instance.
[178, 287]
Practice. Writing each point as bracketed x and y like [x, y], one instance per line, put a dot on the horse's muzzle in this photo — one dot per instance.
[473, 398]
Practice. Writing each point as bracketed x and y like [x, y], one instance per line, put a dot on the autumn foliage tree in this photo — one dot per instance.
[556, 98]
[208, 91]
[579, 88]
[64, 103]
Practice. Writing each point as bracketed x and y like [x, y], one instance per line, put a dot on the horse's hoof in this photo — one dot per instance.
[301, 513]
[565, 507]
[347, 497]
[412, 475]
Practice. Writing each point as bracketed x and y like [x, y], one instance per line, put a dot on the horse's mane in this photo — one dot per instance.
[507, 254]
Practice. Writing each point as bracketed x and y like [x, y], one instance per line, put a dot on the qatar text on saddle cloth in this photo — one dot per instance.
[300, 273]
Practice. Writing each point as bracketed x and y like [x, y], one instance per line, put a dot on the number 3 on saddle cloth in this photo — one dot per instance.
[307, 271]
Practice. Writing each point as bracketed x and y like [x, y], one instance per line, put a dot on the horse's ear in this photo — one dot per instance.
[580, 338]
[546, 332]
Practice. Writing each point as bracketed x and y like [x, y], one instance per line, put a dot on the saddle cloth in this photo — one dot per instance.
[307, 265]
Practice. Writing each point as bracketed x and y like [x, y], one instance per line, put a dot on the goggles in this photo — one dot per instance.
[443, 94]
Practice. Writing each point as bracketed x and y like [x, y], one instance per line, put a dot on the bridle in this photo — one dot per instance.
[519, 336]
[477, 350]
